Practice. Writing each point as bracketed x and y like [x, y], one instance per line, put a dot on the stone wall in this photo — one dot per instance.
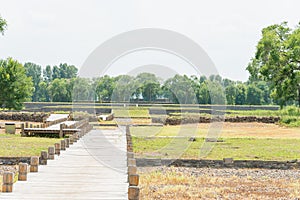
[14, 160]
[294, 164]
[177, 120]
[31, 117]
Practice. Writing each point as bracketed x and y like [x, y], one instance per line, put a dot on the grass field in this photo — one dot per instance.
[242, 141]
[15, 145]
[177, 183]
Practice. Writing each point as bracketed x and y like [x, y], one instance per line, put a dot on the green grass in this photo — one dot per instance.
[134, 112]
[237, 148]
[15, 145]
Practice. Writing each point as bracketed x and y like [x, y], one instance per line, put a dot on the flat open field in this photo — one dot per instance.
[241, 141]
[163, 183]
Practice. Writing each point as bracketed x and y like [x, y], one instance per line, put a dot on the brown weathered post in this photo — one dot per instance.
[51, 153]
[131, 169]
[44, 157]
[67, 140]
[26, 124]
[7, 183]
[30, 125]
[23, 169]
[131, 161]
[61, 134]
[63, 145]
[133, 193]
[133, 180]
[34, 164]
[130, 155]
[22, 130]
[57, 148]
[71, 139]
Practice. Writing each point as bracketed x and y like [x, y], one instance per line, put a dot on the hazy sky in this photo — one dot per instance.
[55, 31]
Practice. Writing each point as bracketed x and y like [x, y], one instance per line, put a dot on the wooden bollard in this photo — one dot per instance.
[8, 180]
[133, 193]
[131, 169]
[23, 169]
[67, 141]
[134, 180]
[22, 130]
[63, 145]
[26, 124]
[51, 153]
[71, 139]
[61, 133]
[57, 148]
[130, 155]
[34, 164]
[131, 161]
[44, 157]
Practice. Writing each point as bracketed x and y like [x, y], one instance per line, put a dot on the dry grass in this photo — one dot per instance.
[171, 184]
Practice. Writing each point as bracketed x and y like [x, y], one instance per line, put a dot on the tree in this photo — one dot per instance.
[241, 94]
[16, 87]
[104, 88]
[203, 94]
[35, 72]
[59, 91]
[231, 92]
[179, 89]
[3, 25]
[47, 74]
[277, 61]
[254, 95]
[147, 85]
[82, 90]
[67, 71]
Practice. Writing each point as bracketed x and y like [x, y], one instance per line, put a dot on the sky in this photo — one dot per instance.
[50, 32]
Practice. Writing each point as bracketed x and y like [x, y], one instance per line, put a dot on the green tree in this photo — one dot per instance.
[231, 92]
[277, 61]
[82, 90]
[254, 95]
[47, 74]
[203, 94]
[104, 88]
[241, 94]
[3, 25]
[67, 71]
[59, 90]
[35, 72]
[43, 92]
[16, 87]
[147, 85]
[179, 89]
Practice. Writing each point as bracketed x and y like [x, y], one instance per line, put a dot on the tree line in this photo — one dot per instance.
[274, 79]
[31, 82]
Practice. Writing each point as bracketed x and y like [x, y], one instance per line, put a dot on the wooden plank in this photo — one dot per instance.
[93, 168]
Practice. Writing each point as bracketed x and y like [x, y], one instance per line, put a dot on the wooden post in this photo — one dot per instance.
[133, 193]
[30, 125]
[44, 157]
[131, 161]
[67, 142]
[22, 130]
[61, 134]
[26, 124]
[34, 164]
[130, 155]
[7, 183]
[23, 169]
[63, 145]
[51, 153]
[133, 180]
[131, 169]
[57, 148]
[71, 139]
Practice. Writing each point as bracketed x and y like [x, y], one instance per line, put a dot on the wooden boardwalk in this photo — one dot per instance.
[93, 168]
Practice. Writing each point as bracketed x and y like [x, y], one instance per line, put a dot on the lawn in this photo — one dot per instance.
[237, 148]
[15, 145]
